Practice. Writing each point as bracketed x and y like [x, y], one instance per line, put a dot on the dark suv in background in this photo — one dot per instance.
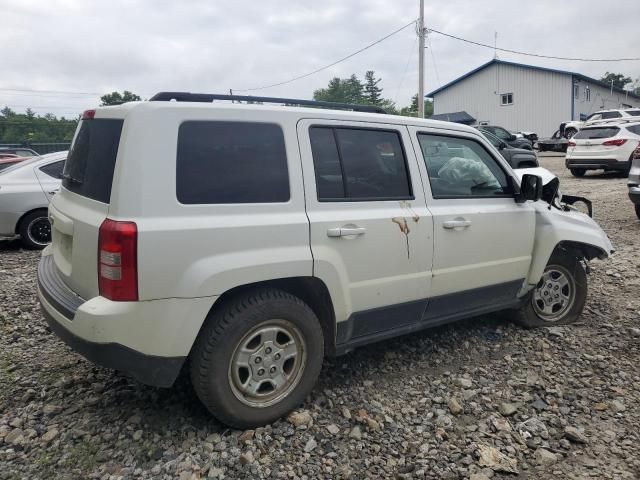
[506, 136]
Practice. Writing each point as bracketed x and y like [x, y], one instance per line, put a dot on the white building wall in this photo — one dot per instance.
[600, 99]
[541, 99]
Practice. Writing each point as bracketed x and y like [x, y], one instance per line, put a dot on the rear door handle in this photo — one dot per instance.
[457, 223]
[346, 231]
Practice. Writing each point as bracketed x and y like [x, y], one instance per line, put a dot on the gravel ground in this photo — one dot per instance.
[479, 399]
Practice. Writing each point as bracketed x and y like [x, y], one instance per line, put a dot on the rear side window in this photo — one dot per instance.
[600, 132]
[231, 162]
[634, 129]
[359, 164]
[53, 169]
[92, 159]
[611, 115]
[634, 113]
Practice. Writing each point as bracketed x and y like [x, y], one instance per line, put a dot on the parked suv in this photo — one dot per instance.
[634, 180]
[246, 242]
[517, 157]
[507, 137]
[603, 147]
[569, 129]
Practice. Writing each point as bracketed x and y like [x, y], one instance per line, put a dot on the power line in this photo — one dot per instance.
[299, 77]
[534, 54]
[55, 92]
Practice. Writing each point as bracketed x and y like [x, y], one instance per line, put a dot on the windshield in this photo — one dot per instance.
[495, 141]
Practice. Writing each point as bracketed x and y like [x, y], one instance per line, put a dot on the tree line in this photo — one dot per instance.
[29, 127]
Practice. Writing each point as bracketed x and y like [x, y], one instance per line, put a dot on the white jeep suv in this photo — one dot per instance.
[245, 242]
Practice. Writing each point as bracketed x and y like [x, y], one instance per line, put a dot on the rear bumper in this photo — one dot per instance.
[596, 163]
[75, 320]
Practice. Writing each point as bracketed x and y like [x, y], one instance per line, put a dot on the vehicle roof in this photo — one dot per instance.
[611, 125]
[121, 111]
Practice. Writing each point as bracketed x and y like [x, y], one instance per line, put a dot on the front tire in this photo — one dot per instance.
[560, 295]
[578, 172]
[569, 133]
[35, 230]
[257, 358]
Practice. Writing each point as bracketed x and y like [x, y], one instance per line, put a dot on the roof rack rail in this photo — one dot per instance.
[210, 97]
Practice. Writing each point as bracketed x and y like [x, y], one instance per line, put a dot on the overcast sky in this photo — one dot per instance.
[146, 46]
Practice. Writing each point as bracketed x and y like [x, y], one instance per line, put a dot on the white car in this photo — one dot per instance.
[603, 147]
[245, 242]
[25, 191]
[603, 116]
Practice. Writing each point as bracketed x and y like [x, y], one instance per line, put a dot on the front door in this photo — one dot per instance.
[371, 233]
[483, 239]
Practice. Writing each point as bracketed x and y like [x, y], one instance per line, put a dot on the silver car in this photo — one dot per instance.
[634, 180]
[25, 191]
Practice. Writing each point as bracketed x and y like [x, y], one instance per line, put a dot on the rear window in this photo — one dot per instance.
[600, 132]
[92, 159]
[634, 129]
[231, 162]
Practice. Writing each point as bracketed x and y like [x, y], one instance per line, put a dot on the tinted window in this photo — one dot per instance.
[634, 129]
[611, 115]
[231, 162]
[326, 163]
[634, 113]
[92, 159]
[53, 169]
[359, 164]
[600, 132]
[459, 167]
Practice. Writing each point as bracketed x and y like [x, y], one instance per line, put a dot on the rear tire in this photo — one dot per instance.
[637, 205]
[578, 172]
[35, 230]
[257, 358]
[560, 295]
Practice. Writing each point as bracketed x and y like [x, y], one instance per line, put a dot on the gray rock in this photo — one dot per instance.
[575, 435]
[544, 457]
[310, 445]
[333, 429]
[15, 437]
[617, 406]
[356, 432]
[50, 435]
[497, 461]
[464, 382]
[246, 458]
[508, 409]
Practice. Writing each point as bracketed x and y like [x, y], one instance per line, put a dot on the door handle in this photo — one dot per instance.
[346, 231]
[457, 223]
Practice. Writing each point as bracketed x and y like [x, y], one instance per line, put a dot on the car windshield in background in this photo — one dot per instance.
[600, 132]
[92, 159]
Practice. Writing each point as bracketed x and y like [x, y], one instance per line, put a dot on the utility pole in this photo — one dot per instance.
[421, 61]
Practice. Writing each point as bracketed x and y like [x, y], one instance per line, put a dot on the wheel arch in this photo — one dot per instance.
[311, 290]
[22, 217]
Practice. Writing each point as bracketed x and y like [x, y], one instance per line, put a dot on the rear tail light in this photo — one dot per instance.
[615, 143]
[88, 114]
[118, 260]
[571, 144]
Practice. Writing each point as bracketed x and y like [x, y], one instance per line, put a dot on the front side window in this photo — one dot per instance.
[461, 167]
[231, 162]
[506, 99]
[357, 164]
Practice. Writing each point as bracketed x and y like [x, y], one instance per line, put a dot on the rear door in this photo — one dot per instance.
[83, 202]
[483, 239]
[371, 232]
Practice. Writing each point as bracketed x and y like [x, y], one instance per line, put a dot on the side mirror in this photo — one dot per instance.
[512, 138]
[502, 146]
[530, 188]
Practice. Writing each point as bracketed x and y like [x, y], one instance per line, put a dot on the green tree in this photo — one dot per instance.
[372, 92]
[619, 80]
[29, 127]
[117, 98]
[412, 110]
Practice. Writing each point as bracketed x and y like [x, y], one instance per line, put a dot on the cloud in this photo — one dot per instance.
[151, 45]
